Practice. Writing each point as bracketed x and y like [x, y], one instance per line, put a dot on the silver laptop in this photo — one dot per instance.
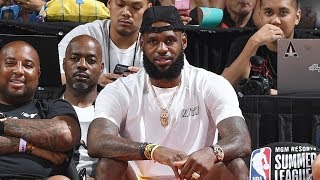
[298, 66]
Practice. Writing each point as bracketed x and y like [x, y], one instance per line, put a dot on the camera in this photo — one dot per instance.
[10, 12]
[259, 81]
[120, 69]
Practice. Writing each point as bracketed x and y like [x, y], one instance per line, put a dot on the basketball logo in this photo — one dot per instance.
[260, 164]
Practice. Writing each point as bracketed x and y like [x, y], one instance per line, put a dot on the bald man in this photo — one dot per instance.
[36, 136]
[83, 66]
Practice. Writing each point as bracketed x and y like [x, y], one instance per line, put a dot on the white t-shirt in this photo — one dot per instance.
[99, 29]
[202, 101]
[85, 116]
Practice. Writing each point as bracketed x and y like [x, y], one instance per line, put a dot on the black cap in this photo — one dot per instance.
[168, 14]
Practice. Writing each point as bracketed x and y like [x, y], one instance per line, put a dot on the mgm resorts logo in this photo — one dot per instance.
[314, 67]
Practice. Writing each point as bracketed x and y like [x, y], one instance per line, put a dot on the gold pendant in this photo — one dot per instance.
[164, 118]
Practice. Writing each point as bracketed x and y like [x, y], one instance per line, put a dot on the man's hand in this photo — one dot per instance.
[167, 156]
[132, 70]
[201, 162]
[105, 79]
[56, 158]
[267, 34]
[184, 15]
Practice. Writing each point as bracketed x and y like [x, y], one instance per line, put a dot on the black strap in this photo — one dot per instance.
[1, 128]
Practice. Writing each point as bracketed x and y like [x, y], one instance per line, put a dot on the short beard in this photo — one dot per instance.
[19, 98]
[82, 87]
[171, 73]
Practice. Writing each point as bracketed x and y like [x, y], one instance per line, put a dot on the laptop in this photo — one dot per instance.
[298, 67]
[47, 48]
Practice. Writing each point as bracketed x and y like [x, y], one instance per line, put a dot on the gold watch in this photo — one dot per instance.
[218, 151]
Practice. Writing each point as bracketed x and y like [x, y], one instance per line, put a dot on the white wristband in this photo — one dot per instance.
[22, 145]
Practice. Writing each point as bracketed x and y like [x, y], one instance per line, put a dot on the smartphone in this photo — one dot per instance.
[120, 69]
[182, 5]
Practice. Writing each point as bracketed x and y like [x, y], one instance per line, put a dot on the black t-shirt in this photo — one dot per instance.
[25, 165]
[263, 51]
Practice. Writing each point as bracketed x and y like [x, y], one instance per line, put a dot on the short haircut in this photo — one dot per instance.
[296, 2]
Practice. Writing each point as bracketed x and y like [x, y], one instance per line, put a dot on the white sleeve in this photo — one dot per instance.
[112, 103]
[221, 99]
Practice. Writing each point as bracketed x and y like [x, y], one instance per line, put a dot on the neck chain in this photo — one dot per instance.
[109, 54]
[269, 62]
[164, 116]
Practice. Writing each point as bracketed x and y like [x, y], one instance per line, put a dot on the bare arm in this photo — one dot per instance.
[235, 138]
[61, 133]
[240, 68]
[235, 142]
[104, 142]
[9, 144]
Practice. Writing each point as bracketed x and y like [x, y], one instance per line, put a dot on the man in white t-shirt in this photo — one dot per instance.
[164, 120]
[83, 65]
[118, 37]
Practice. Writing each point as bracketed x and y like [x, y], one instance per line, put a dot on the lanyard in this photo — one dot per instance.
[109, 53]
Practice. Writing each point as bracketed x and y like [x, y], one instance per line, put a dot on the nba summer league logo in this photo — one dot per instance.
[260, 165]
[282, 161]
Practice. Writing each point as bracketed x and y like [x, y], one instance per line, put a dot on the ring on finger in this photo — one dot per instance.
[196, 175]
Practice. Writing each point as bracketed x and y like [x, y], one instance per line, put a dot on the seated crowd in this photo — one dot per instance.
[160, 118]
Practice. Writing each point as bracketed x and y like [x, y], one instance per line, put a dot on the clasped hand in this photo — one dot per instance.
[183, 165]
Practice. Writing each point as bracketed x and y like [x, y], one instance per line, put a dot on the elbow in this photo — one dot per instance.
[69, 139]
[93, 150]
[94, 147]
[245, 143]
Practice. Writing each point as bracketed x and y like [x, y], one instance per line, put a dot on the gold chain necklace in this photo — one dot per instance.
[164, 115]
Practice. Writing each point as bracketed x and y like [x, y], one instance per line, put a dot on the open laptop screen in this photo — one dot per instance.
[298, 66]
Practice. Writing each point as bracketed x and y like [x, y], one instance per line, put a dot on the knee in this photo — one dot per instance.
[110, 169]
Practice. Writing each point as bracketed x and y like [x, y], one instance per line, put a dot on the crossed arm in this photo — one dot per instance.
[58, 134]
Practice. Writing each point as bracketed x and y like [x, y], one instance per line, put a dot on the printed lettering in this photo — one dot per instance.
[190, 112]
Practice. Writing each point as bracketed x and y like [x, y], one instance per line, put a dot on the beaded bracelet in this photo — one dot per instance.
[148, 150]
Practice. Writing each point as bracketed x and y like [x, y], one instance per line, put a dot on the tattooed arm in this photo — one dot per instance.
[61, 133]
[103, 141]
[9, 144]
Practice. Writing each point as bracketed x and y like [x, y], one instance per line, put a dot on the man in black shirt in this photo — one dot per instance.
[277, 20]
[36, 136]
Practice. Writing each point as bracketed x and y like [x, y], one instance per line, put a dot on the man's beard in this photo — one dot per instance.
[82, 87]
[171, 73]
[19, 97]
